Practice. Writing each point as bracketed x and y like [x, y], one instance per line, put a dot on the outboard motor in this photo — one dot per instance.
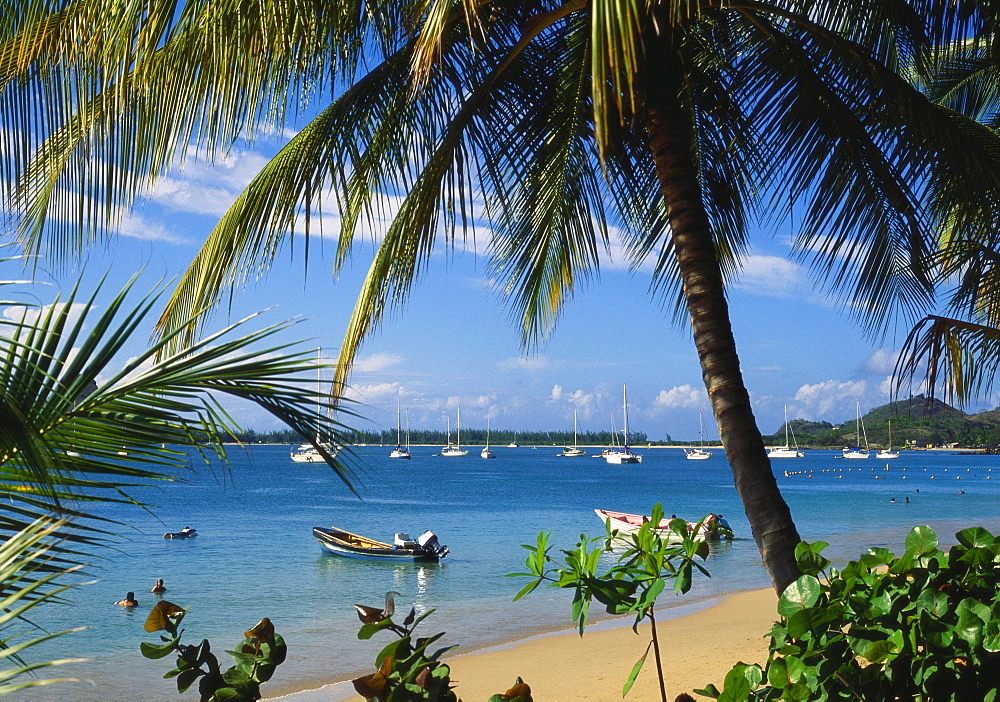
[429, 541]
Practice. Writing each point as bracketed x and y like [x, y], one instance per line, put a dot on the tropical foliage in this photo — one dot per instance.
[257, 657]
[921, 626]
[27, 579]
[408, 670]
[647, 561]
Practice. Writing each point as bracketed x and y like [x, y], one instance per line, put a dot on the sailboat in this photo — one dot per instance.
[623, 455]
[887, 452]
[399, 451]
[573, 451]
[856, 452]
[699, 454]
[308, 453]
[453, 450]
[486, 452]
[785, 451]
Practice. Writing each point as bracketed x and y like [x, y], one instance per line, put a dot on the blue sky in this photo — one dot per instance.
[454, 342]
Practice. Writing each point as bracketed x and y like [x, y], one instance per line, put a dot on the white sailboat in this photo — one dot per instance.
[486, 452]
[699, 454]
[857, 452]
[399, 451]
[573, 451]
[624, 455]
[308, 453]
[887, 452]
[452, 450]
[785, 451]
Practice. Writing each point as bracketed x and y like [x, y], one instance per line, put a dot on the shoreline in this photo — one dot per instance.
[699, 643]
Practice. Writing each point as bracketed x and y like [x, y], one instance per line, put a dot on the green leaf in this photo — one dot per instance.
[801, 594]
[922, 540]
[802, 621]
[635, 671]
[808, 558]
[975, 537]
[155, 651]
[991, 636]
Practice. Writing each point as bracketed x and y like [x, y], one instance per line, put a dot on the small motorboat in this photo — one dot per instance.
[713, 527]
[185, 533]
[426, 548]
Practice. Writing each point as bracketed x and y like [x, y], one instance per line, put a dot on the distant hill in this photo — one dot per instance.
[919, 420]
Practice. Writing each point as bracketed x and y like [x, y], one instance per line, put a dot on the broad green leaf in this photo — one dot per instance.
[991, 636]
[975, 537]
[801, 594]
[922, 540]
[802, 621]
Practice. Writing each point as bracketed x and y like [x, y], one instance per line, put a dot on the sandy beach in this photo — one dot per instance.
[697, 649]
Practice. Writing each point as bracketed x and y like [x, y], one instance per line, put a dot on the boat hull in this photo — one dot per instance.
[784, 452]
[347, 545]
[697, 454]
[572, 452]
[622, 457]
[627, 523]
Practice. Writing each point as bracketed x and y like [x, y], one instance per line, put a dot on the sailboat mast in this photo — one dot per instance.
[574, 428]
[397, 420]
[407, 430]
[459, 426]
[625, 412]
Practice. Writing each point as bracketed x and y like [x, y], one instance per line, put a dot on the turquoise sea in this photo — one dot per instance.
[255, 555]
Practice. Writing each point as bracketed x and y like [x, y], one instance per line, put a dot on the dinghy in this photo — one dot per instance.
[426, 548]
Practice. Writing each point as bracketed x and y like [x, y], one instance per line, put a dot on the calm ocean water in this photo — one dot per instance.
[255, 555]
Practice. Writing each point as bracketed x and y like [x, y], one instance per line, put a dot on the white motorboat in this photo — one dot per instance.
[573, 451]
[513, 444]
[887, 452]
[486, 452]
[623, 455]
[699, 454]
[785, 451]
[399, 451]
[857, 452]
[452, 450]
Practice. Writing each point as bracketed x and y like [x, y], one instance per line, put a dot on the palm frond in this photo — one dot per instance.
[70, 409]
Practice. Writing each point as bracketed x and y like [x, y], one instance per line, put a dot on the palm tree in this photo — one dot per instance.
[676, 121]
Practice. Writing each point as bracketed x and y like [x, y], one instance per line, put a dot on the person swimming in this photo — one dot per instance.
[129, 601]
[159, 586]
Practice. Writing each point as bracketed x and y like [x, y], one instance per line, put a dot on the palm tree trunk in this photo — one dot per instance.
[671, 133]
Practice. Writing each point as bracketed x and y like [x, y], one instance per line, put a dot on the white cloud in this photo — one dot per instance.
[377, 362]
[135, 226]
[771, 275]
[679, 397]
[882, 362]
[32, 314]
[831, 399]
[372, 394]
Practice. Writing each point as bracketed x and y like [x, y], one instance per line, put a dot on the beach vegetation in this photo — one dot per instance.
[410, 669]
[921, 626]
[257, 656]
[645, 563]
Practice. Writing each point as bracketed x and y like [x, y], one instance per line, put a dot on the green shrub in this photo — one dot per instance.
[256, 657]
[924, 626]
[408, 670]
